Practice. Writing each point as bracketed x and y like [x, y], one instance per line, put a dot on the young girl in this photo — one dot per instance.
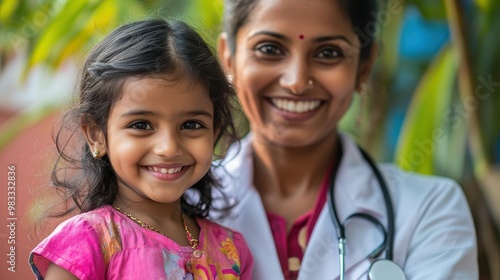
[153, 102]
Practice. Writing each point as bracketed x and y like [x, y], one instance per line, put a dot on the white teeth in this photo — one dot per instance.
[296, 106]
[165, 170]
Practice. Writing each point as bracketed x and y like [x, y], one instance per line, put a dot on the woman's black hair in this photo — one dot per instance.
[362, 13]
[139, 49]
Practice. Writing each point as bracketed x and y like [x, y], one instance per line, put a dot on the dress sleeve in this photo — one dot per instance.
[246, 259]
[74, 245]
[443, 245]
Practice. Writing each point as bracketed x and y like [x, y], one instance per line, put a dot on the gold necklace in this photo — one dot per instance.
[193, 242]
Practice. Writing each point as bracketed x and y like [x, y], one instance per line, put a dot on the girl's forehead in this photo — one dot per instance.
[163, 96]
[154, 90]
[169, 82]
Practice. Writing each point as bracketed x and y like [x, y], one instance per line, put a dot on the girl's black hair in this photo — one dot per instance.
[362, 13]
[139, 49]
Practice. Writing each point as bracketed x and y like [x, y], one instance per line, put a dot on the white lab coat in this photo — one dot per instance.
[434, 237]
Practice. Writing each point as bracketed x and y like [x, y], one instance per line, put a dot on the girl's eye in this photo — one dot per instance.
[330, 53]
[269, 49]
[141, 125]
[191, 125]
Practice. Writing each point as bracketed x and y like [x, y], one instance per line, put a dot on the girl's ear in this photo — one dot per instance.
[224, 53]
[365, 67]
[95, 139]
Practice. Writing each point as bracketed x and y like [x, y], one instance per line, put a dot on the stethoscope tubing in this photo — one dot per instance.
[388, 243]
[388, 205]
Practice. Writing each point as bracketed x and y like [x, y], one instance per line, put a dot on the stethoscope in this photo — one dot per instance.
[385, 268]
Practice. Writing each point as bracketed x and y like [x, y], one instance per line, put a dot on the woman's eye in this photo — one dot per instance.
[268, 49]
[191, 125]
[330, 53]
[141, 126]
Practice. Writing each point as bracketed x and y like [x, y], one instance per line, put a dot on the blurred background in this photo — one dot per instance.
[433, 105]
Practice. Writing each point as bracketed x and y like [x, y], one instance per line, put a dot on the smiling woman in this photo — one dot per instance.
[286, 76]
[297, 66]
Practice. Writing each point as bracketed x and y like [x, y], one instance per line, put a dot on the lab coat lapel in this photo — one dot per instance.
[257, 233]
[356, 190]
[252, 219]
[321, 258]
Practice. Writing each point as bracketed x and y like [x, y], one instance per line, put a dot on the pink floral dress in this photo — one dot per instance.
[105, 244]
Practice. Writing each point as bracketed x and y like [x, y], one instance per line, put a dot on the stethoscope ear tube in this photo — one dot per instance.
[380, 269]
[339, 228]
[388, 205]
[375, 253]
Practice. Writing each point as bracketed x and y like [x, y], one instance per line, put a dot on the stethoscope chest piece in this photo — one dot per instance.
[385, 269]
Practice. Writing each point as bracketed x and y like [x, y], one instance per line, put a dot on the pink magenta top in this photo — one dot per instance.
[292, 245]
[105, 244]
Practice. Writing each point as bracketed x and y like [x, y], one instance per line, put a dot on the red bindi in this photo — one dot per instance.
[301, 37]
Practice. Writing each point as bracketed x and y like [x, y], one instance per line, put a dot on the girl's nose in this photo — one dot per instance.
[168, 145]
[296, 77]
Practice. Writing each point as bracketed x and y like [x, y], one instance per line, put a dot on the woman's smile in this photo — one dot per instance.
[295, 106]
[295, 110]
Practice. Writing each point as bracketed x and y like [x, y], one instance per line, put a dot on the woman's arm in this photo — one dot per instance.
[443, 245]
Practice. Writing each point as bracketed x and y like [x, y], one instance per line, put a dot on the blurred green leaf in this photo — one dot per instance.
[422, 129]
[431, 9]
[206, 17]
[7, 9]
[64, 27]
[485, 5]
[454, 126]
[486, 55]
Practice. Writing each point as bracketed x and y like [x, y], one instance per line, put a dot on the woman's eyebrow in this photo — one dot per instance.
[317, 40]
[335, 37]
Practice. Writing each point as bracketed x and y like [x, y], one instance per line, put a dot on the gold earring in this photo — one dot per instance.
[95, 154]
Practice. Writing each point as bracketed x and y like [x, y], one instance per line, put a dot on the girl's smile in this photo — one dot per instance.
[166, 173]
[160, 138]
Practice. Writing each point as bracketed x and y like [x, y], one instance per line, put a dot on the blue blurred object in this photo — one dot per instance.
[421, 39]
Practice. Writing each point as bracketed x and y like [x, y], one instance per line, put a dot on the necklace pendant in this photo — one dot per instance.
[197, 254]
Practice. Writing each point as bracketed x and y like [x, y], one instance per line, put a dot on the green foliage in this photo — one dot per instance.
[431, 9]
[429, 123]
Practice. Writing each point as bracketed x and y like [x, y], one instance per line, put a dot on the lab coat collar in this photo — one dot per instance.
[357, 182]
[352, 178]
[356, 190]
[249, 216]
